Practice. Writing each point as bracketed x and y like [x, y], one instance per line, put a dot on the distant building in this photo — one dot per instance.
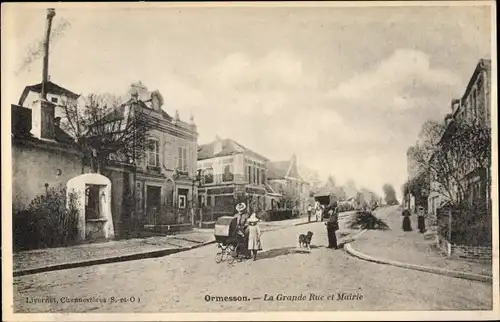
[232, 173]
[284, 178]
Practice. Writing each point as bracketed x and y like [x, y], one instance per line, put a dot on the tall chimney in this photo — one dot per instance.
[50, 14]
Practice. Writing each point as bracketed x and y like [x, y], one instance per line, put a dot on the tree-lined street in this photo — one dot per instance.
[181, 282]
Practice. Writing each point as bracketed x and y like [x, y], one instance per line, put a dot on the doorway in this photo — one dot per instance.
[153, 203]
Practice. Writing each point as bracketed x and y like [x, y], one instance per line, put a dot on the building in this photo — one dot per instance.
[473, 106]
[57, 95]
[39, 143]
[284, 178]
[231, 173]
[156, 189]
[161, 185]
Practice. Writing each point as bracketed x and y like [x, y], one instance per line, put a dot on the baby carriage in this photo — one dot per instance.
[230, 240]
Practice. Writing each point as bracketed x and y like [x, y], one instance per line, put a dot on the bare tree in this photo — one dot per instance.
[448, 153]
[106, 129]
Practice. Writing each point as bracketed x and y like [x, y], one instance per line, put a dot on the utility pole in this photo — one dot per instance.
[45, 76]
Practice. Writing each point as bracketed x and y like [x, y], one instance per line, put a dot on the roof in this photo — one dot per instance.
[337, 192]
[270, 191]
[283, 169]
[229, 147]
[52, 88]
[277, 169]
[350, 192]
[118, 112]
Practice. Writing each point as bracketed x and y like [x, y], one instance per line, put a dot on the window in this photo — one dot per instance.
[258, 176]
[228, 173]
[263, 175]
[153, 153]
[182, 159]
[250, 174]
[208, 175]
[54, 99]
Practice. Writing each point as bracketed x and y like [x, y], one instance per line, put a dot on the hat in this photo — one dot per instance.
[253, 218]
[240, 207]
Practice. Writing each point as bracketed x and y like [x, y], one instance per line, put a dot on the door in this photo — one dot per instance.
[153, 203]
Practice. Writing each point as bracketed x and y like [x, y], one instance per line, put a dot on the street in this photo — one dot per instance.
[283, 278]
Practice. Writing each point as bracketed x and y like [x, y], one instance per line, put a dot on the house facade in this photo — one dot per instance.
[161, 184]
[473, 106]
[284, 178]
[231, 173]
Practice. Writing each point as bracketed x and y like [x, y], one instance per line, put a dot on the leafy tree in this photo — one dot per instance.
[390, 194]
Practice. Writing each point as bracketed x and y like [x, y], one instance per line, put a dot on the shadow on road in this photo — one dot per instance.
[282, 251]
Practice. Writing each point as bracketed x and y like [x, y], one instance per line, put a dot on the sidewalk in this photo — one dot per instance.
[49, 259]
[412, 248]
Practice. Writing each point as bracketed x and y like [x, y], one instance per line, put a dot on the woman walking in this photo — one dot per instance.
[406, 220]
[254, 233]
[332, 225]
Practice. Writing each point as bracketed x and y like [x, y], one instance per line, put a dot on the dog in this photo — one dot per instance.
[305, 240]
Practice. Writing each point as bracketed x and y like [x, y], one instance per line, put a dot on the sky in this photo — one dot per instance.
[345, 89]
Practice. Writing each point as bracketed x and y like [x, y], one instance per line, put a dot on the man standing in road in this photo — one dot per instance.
[332, 225]
[309, 212]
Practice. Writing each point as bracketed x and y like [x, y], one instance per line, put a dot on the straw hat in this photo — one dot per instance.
[253, 218]
[240, 207]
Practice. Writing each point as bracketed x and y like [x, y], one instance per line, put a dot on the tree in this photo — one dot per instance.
[390, 194]
[331, 182]
[105, 129]
[447, 153]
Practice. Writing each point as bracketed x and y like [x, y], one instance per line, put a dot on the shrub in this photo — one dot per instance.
[367, 220]
[48, 221]
[471, 225]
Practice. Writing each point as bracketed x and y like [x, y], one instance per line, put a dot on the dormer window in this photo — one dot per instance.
[54, 100]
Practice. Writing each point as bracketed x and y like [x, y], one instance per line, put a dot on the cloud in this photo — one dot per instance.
[387, 85]
[276, 70]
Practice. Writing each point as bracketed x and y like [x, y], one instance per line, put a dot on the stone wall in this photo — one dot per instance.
[463, 251]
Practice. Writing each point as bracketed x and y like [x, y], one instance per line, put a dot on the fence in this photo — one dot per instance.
[167, 215]
[455, 241]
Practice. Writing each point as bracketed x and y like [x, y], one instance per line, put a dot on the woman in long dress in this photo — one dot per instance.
[406, 220]
[254, 233]
[242, 225]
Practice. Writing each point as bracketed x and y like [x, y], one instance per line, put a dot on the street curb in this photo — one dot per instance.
[116, 259]
[434, 270]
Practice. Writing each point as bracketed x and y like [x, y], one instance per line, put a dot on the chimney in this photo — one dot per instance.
[455, 104]
[43, 119]
[217, 145]
[448, 118]
[45, 76]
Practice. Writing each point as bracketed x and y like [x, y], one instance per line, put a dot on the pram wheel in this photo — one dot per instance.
[219, 257]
